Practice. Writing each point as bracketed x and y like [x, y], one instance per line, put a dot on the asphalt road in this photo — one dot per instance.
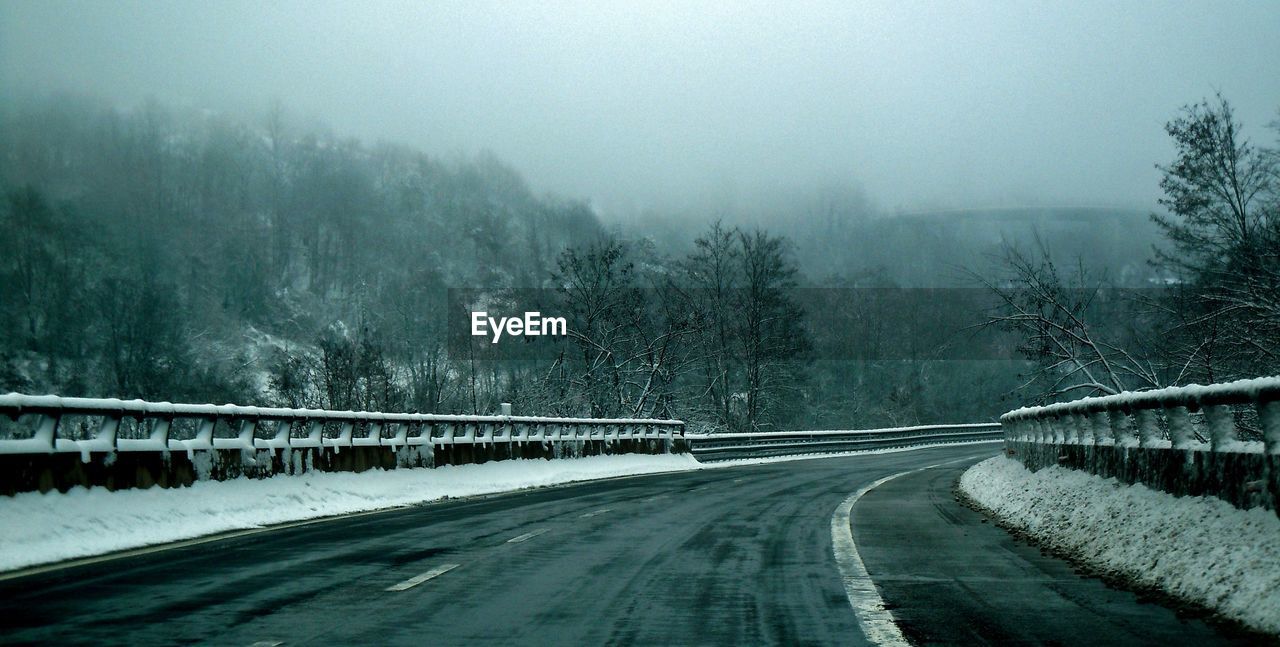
[739, 556]
[951, 577]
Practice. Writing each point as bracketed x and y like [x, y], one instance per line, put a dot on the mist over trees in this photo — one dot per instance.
[176, 254]
[1215, 318]
[183, 255]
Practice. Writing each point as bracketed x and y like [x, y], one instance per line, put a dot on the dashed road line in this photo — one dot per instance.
[419, 579]
[526, 536]
[593, 513]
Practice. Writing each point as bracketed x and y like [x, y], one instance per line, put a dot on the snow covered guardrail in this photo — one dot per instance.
[1160, 418]
[269, 440]
[750, 445]
[1220, 439]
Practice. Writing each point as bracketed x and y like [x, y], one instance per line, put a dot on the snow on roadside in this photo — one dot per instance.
[40, 528]
[1202, 550]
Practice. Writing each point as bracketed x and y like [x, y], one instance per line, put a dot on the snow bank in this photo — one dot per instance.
[40, 528]
[1203, 550]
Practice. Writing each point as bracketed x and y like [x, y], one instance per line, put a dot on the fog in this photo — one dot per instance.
[653, 106]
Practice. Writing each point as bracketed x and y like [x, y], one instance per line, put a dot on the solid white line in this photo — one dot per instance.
[526, 536]
[594, 513]
[876, 621]
[419, 579]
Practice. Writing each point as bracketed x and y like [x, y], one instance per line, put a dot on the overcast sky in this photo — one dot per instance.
[650, 105]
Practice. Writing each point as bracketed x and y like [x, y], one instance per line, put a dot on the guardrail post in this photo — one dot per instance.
[315, 431]
[374, 435]
[245, 435]
[107, 431]
[1222, 426]
[1181, 435]
[204, 433]
[104, 439]
[1269, 416]
[1121, 428]
[1086, 429]
[47, 431]
[1102, 432]
[344, 436]
[1071, 428]
[160, 431]
[1148, 427]
[283, 428]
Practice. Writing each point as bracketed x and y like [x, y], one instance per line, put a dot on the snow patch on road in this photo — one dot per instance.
[1203, 550]
[40, 528]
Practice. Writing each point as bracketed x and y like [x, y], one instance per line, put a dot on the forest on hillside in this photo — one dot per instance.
[184, 255]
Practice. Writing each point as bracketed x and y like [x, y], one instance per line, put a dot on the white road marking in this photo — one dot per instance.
[655, 498]
[876, 621]
[266, 643]
[593, 513]
[526, 536]
[738, 480]
[419, 579]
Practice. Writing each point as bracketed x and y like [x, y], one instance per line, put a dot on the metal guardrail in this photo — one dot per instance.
[392, 430]
[749, 445]
[1159, 418]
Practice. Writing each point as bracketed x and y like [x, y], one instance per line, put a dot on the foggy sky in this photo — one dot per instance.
[650, 105]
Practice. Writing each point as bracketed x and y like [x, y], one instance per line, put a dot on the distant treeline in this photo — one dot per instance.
[175, 254]
[182, 255]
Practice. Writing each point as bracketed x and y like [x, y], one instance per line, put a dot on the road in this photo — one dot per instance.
[734, 556]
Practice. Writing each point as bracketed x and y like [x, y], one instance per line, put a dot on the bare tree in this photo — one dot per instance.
[1057, 320]
[712, 271]
[1223, 197]
[772, 335]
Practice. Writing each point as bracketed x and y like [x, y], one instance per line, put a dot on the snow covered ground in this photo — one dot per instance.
[43, 528]
[1202, 550]
[40, 528]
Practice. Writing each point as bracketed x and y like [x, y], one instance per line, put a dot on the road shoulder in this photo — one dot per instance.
[950, 576]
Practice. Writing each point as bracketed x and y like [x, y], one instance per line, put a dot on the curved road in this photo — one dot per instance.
[734, 556]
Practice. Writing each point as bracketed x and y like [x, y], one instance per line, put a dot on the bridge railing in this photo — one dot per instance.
[1190, 417]
[1218, 440]
[751, 445]
[51, 442]
[267, 428]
